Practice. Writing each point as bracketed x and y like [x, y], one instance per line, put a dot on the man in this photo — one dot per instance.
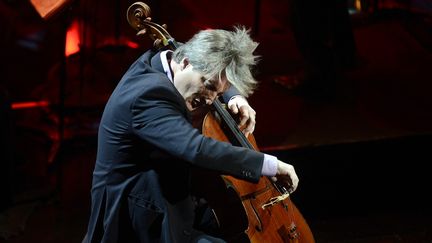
[147, 146]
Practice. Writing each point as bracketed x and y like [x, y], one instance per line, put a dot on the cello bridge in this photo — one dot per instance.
[275, 200]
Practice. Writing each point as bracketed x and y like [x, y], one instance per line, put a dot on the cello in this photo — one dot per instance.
[267, 213]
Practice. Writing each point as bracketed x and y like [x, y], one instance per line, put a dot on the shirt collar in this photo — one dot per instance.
[164, 59]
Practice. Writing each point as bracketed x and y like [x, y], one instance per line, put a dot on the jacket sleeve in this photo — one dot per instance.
[232, 91]
[157, 118]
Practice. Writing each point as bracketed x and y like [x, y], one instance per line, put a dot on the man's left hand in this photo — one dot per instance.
[239, 105]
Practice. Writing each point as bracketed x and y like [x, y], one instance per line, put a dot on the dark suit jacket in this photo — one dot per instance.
[146, 147]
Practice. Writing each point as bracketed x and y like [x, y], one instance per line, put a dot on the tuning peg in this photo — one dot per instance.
[157, 43]
[142, 32]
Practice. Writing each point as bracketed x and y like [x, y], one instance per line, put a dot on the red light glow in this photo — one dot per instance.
[72, 39]
[30, 104]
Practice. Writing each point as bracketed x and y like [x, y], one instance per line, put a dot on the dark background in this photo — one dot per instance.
[362, 157]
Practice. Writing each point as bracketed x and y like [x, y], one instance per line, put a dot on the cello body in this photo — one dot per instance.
[280, 222]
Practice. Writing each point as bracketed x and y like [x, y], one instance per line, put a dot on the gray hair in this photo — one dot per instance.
[217, 52]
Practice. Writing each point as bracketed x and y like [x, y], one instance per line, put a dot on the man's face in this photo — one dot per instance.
[196, 89]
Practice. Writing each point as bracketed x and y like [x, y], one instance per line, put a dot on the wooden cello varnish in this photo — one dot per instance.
[280, 222]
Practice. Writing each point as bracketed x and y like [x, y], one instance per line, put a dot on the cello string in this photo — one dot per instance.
[232, 125]
[241, 138]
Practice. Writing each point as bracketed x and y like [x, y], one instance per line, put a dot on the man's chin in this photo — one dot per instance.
[192, 107]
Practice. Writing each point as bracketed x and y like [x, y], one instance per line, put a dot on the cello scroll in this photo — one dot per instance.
[138, 16]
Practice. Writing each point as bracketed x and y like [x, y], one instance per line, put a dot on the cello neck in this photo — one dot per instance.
[238, 135]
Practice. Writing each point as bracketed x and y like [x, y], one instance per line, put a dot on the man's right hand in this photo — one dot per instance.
[286, 174]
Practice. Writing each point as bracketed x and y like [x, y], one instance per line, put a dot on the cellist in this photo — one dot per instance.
[147, 145]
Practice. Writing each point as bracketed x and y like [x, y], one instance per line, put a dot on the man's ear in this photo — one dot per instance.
[184, 63]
